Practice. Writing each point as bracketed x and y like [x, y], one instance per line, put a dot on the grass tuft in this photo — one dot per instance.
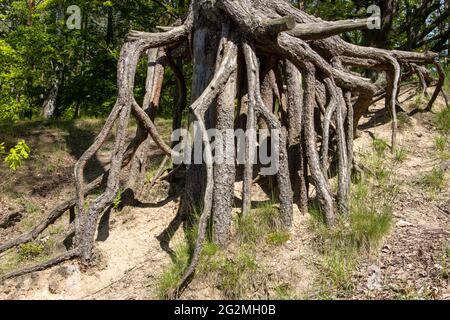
[362, 231]
[401, 154]
[442, 121]
[173, 274]
[434, 180]
[380, 146]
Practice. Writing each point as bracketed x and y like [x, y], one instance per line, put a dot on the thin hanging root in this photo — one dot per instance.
[159, 172]
[321, 183]
[296, 145]
[393, 79]
[106, 199]
[86, 223]
[330, 110]
[182, 93]
[81, 164]
[344, 175]
[337, 99]
[283, 177]
[130, 55]
[422, 83]
[350, 138]
[438, 89]
[250, 143]
[137, 43]
[57, 212]
[63, 257]
[129, 51]
[156, 60]
[227, 67]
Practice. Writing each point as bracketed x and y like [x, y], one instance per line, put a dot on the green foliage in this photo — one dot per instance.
[117, 202]
[30, 250]
[441, 146]
[419, 101]
[263, 223]
[440, 143]
[368, 221]
[380, 146]
[434, 180]
[17, 154]
[172, 275]
[285, 292]
[278, 238]
[234, 274]
[33, 47]
[442, 121]
[401, 154]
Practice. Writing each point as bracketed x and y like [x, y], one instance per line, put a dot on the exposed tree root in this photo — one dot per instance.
[55, 261]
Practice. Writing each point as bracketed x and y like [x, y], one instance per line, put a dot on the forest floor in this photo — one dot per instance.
[410, 262]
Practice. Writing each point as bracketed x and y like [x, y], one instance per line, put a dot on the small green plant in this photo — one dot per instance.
[30, 207]
[369, 220]
[117, 203]
[173, 274]
[380, 146]
[30, 250]
[2, 148]
[401, 154]
[278, 238]
[248, 230]
[284, 292]
[235, 274]
[17, 154]
[440, 143]
[262, 222]
[419, 101]
[434, 180]
[442, 120]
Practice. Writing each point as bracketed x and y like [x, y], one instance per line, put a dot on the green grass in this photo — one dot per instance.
[30, 250]
[419, 101]
[361, 233]
[434, 180]
[442, 121]
[234, 276]
[440, 143]
[380, 146]
[117, 202]
[27, 254]
[401, 154]
[442, 148]
[235, 272]
[284, 291]
[175, 271]
[278, 238]
[263, 223]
